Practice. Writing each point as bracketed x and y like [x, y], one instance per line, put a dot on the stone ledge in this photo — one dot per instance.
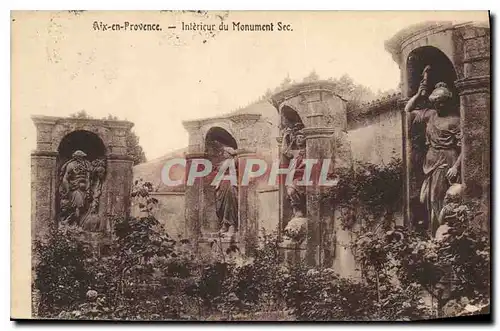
[53, 120]
[318, 132]
[118, 157]
[44, 154]
[473, 85]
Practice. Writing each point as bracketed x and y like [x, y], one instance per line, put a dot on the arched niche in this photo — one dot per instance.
[216, 139]
[442, 70]
[86, 141]
[290, 121]
[289, 117]
[80, 140]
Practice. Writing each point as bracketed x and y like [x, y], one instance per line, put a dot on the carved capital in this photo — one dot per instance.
[191, 126]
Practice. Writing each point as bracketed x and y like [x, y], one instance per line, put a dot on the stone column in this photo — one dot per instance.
[43, 179]
[43, 192]
[475, 108]
[285, 209]
[248, 227]
[320, 145]
[117, 186]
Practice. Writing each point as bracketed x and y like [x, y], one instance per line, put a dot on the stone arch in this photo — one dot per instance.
[443, 69]
[288, 116]
[84, 140]
[222, 135]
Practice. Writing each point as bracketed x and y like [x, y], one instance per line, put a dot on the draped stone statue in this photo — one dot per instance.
[79, 191]
[226, 193]
[441, 166]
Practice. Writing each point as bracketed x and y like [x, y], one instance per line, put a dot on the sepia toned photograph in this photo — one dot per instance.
[250, 166]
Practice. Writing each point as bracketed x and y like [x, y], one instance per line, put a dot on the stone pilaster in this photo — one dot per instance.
[285, 209]
[475, 119]
[115, 199]
[475, 108]
[43, 193]
[320, 145]
[248, 217]
[193, 202]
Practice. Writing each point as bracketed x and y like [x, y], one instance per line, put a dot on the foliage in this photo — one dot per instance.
[61, 275]
[134, 149]
[142, 273]
[453, 268]
[367, 192]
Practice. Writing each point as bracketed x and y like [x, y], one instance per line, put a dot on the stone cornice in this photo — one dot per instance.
[418, 31]
[191, 125]
[394, 45]
[239, 118]
[473, 85]
[53, 120]
[236, 118]
[303, 88]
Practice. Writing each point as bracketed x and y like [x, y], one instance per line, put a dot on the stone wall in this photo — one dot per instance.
[377, 139]
[169, 212]
[268, 209]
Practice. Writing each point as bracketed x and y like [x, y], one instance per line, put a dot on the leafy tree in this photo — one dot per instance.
[134, 149]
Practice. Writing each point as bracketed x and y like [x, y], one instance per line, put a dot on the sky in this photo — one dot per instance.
[157, 79]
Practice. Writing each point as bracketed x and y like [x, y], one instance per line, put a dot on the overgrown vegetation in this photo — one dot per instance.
[142, 273]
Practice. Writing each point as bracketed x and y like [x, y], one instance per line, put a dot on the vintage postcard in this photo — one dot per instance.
[250, 166]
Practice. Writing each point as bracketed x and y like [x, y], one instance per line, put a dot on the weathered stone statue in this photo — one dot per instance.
[226, 194]
[442, 161]
[80, 190]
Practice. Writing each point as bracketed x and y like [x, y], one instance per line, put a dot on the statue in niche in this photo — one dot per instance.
[442, 161]
[80, 190]
[226, 192]
[294, 150]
